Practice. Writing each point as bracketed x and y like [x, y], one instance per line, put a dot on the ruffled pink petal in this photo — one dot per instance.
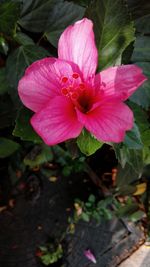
[57, 122]
[42, 81]
[121, 81]
[109, 121]
[77, 44]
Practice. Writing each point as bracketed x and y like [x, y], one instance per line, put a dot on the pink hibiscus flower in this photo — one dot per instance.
[67, 96]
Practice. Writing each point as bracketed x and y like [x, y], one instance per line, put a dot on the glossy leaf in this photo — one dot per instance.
[4, 47]
[9, 13]
[38, 155]
[141, 51]
[143, 24]
[113, 29]
[133, 138]
[20, 59]
[138, 8]
[87, 143]
[7, 111]
[49, 16]
[127, 210]
[4, 86]
[23, 128]
[146, 155]
[134, 157]
[66, 14]
[23, 39]
[142, 95]
[137, 216]
[146, 137]
[140, 116]
[7, 147]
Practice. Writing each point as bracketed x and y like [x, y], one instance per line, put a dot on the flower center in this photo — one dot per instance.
[80, 94]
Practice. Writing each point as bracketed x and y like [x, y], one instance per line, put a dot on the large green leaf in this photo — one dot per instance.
[7, 147]
[49, 16]
[141, 57]
[7, 111]
[133, 138]
[20, 59]
[84, 3]
[38, 155]
[4, 86]
[146, 155]
[66, 13]
[141, 51]
[140, 116]
[133, 157]
[23, 128]
[143, 24]
[142, 95]
[139, 8]
[3, 45]
[35, 14]
[113, 29]
[23, 39]
[9, 12]
[87, 143]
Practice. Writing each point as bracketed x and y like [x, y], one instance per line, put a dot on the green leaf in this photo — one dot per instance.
[138, 8]
[3, 46]
[20, 59]
[66, 14]
[91, 199]
[141, 51]
[87, 143]
[85, 217]
[133, 138]
[143, 24]
[127, 210]
[7, 147]
[38, 155]
[35, 14]
[137, 216]
[125, 176]
[7, 111]
[23, 39]
[49, 16]
[23, 128]
[134, 157]
[4, 86]
[84, 3]
[146, 155]
[141, 117]
[113, 29]
[9, 13]
[142, 95]
[146, 137]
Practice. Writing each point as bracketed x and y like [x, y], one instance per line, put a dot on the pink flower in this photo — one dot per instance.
[89, 255]
[66, 94]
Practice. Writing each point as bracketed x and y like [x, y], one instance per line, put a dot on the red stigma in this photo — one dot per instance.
[64, 91]
[75, 75]
[64, 79]
[74, 95]
[81, 86]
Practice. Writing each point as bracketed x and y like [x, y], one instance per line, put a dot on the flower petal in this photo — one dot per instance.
[90, 256]
[77, 44]
[42, 81]
[57, 122]
[109, 121]
[121, 81]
